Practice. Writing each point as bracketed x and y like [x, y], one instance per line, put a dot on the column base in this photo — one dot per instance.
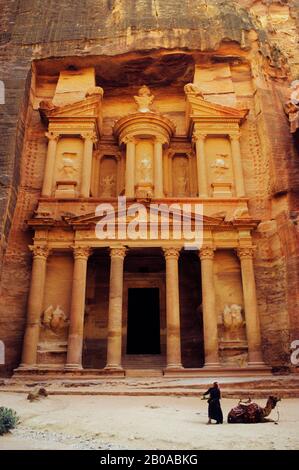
[113, 367]
[26, 367]
[212, 365]
[174, 367]
[73, 367]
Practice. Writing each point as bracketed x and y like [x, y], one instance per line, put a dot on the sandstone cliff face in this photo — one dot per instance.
[257, 39]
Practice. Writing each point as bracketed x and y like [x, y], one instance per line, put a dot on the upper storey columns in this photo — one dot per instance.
[158, 167]
[89, 140]
[50, 164]
[130, 166]
[202, 176]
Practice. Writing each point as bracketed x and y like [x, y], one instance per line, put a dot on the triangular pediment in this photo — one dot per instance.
[87, 108]
[124, 216]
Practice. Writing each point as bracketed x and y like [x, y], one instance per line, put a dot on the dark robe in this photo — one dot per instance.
[214, 410]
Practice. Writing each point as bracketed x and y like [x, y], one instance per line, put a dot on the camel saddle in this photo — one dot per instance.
[249, 412]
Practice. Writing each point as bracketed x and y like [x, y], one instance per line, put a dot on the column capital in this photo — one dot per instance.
[245, 252]
[206, 252]
[129, 139]
[81, 252]
[89, 136]
[119, 252]
[40, 251]
[52, 136]
[235, 137]
[197, 136]
[171, 253]
[159, 139]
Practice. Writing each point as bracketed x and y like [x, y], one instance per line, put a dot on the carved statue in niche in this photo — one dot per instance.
[181, 177]
[292, 106]
[108, 186]
[145, 170]
[144, 99]
[54, 318]
[68, 167]
[194, 90]
[220, 166]
[233, 320]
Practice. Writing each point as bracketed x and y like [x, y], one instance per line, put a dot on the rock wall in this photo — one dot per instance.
[254, 40]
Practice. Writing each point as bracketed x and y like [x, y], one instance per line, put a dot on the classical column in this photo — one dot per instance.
[114, 342]
[250, 306]
[35, 305]
[202, 175]
[130, 167]
[89, 140]
[75, 338]
[173, 341]
[210, 328]
[50, 164]
[158, 167]
[237, 164]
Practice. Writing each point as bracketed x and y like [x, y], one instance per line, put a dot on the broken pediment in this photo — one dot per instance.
[201, 111]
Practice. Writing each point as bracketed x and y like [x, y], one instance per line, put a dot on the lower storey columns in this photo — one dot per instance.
[173, 342]
[209, 308]
[75, 339]
[35, 306]
[250, 305]
[114, 344]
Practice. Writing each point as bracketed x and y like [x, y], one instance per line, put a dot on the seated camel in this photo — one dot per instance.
[252, 412]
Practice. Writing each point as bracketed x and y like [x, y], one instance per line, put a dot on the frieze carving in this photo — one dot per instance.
[144, 99]
[54, 318]
[171, 253]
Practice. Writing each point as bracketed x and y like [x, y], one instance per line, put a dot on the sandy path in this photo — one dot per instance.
[78, 422]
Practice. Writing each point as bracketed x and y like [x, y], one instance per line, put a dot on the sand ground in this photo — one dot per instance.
[124, 422]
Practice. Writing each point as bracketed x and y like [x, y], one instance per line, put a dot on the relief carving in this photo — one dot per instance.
[220, 166]
[54, 319]
[68, 168]
[108, 186]
[233, 320]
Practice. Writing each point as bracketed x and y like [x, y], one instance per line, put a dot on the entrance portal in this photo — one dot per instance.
[143, 335]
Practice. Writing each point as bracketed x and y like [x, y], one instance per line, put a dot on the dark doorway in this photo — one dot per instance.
[143, 330]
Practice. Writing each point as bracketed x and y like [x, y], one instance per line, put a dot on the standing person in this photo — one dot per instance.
[214, 410]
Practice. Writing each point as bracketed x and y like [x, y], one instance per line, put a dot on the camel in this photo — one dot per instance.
[251, 412]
